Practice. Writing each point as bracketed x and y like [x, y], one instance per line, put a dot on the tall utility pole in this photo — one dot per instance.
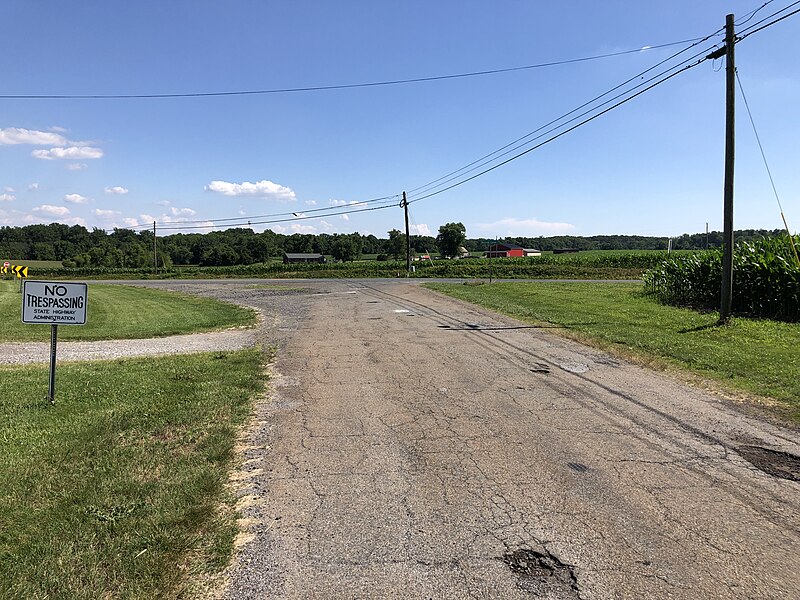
[726, 294]
[408, 235]
[155, 256]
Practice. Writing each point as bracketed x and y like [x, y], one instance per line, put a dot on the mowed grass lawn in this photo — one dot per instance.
[758, 357]
[118, 489]
[116, 311]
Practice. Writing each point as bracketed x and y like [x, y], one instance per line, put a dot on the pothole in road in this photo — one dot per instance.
[542, 574]
[772, 462]
[574, 367]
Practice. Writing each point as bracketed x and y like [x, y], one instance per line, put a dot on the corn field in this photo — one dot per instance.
[766, 279]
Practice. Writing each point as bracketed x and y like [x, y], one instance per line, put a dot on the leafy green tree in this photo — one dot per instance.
[346, 246]
[451, 237]
[396, 247]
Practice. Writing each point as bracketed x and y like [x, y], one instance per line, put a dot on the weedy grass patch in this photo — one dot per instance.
[125, 312]
[756, 356]
[118, 490]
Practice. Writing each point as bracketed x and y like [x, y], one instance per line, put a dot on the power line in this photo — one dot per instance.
[749, 16]
[574, 127]
[319, 88]
[748, 31]
[179, 227]
[296, 213]
[514, 145]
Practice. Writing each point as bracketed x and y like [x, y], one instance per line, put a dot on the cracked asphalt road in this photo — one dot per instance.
[418, 447]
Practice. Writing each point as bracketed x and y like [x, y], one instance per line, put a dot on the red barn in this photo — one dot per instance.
[504, 251]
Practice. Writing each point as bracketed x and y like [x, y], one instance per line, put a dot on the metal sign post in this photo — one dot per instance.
[56, 303]
[51, 390]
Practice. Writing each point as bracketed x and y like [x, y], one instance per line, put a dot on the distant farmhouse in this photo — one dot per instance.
[510, 250]
[293, 258]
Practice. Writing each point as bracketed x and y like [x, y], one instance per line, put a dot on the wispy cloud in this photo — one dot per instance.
[18, 135]
[105, 214]
[182, 212]
[118, 190]
[311, 202]
[77, 166]
[76, 199]
[419, 229]
[522, 227]
[53, 211]
[260, 189]
[33, 187]
[69, 153]
[7, 197]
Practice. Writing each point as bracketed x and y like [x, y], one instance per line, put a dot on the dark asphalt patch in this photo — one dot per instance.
[542, 574]
[772, 462]
[580, 468]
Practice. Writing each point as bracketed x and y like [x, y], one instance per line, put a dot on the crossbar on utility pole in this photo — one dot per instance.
[726, 293]
[408, 236]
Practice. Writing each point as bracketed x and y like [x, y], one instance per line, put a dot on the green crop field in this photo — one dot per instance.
[757, 357]
[118, 489]
[116, 311]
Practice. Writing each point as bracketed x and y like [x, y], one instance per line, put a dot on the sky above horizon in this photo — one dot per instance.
[653, 166]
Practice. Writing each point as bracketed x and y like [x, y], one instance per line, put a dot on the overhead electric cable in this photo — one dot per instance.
[766, 165]
[754, 28]
[483, 160]
[566, 131]
[556, 128]
[178, 227]
[319, 88]
[749, 16]
[295, 212]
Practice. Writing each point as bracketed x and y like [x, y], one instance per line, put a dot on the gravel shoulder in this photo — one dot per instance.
[20, 353]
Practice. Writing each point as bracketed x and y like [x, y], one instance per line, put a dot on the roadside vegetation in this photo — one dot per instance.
[755, 356]
[766, 279]
[117, 312]
[118, 489]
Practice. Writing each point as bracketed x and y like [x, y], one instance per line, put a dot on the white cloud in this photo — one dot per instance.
[182, 212]
[164, 203]
[10, 190]
[17, 135]
[338, 202]
[58, 129]
[311, 202]
[76, 199]
[295, 228]
[105, 214]
[260, 189]
[522, 227]
[77, 166]
[33, 187]
[49, 209]
[420, 229]
[119, 190]
[345, 218]
[70, 153]
[7, 197]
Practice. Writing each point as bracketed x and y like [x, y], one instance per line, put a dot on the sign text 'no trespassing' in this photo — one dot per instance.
[54, 302]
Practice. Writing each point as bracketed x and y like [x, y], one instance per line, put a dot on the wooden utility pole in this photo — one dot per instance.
[155, 256]
[726, 293]
[408, 236]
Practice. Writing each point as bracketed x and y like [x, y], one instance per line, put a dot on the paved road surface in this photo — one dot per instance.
[416, 447]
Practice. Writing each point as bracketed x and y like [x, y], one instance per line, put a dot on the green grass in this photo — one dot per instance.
[33, 264]
[124, 312]
[118, 489]
[757, 357]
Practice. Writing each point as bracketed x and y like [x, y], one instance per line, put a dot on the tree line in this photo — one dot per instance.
[77, 246]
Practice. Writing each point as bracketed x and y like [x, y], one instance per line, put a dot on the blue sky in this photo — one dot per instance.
[653, 167]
